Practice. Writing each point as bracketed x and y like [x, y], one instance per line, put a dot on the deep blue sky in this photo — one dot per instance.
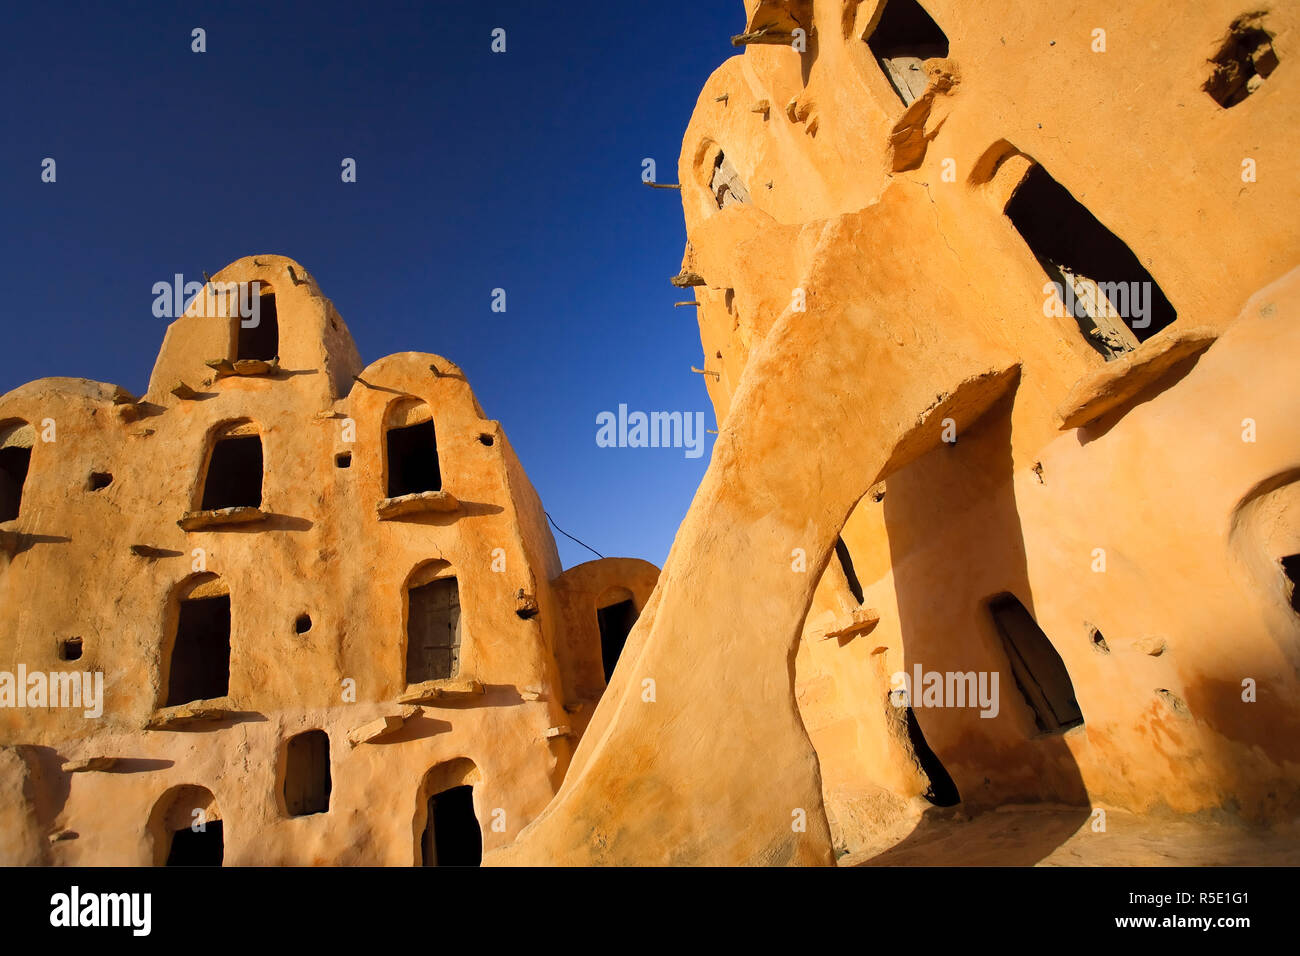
[475, 170]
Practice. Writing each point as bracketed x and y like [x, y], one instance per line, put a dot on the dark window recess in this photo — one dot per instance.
[615, 624]
[1291, 568]
[1243, 62]
[942, 791]
[302, 624]
[307, 774]
[846, 562]
[344, 460]
[200, 663]
[261, 341]
[433, 631]
[204, 847]
[234, 478]
[1038, 670]
[13, 475]
[452, 836]
[413, 460]
[1099, 280]
[99, 480]
[903, 40]
[70, 650]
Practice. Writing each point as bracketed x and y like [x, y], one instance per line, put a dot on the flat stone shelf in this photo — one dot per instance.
[225, 368]
[422, 502]
[382, 726]
[198, 520]
[862, 620]
[432, 691]
[194, 712]
[1126, 377]
[90, 764]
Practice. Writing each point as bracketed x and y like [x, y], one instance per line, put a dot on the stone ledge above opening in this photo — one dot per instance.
[220, 517]
[431, 691]
[1128, 375]
[421, 502]
[195, 711]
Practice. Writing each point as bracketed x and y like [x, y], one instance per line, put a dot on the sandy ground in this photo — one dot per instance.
[1050, 835]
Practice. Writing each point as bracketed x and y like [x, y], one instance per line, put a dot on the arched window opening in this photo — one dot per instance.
[1038, 669]
[199, 666]
[433, 630]
[234, 473]
[411, 446]
[16, 441]
[307, 782]
[260, 340]
[1097, 278]
[616, 620]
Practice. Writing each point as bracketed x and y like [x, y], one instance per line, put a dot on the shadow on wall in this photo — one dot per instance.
[962, 611]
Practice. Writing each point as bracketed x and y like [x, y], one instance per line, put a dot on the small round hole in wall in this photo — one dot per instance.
[303, 624]
[485, 438]
[70, 650]
[99, 480]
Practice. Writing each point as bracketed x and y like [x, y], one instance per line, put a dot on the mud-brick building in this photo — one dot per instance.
[328, 611]
[999, 308]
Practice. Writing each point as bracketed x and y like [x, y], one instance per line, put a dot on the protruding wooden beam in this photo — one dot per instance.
[766, 34]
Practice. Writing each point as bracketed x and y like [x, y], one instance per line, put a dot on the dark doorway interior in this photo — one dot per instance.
[200, 662]
[262, 341]
[1038, 670]
[14, 462]
[433, 631]
[942, 791]
[204, 847]
[234, 478]
[413, 460]
[616, 622]
[307, 774]
[452, 836]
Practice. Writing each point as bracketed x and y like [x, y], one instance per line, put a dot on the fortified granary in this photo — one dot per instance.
[927, 463]
[322, 601]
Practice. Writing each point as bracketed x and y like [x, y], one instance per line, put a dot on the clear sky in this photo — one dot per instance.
[475, 171]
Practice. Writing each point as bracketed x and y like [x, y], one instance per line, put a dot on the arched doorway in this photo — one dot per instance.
[186, 828]
[446, 825]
